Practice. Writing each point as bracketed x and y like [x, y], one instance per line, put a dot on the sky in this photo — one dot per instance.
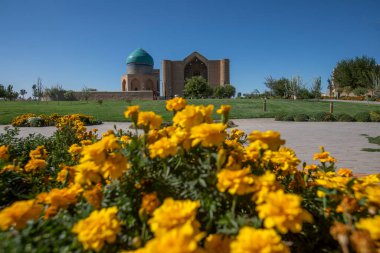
[85, 43]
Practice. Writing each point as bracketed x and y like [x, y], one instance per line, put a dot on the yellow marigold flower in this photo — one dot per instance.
[97, 229]
[372, 193]
[258, 240]
[86, 142]
[149, 120]
[223, 109]
[238, 182]
[284, 212]
[237, 134]
[255, 150]
[324, 156]
[193, 115]
[271, 138]
[4, 154]
[176, 104]
[132, 112]
[181, 137]
[10, 167]
[67, 173]
[61, 198]
[311, 167]
[38, 153]
[208, 135]
[182, 239]
[75, 149]
[162, 148]
[344, 172]
[94, 196]
[150, 202]
[284, 159]
[263, 185]
[34, 165]
[217, 243]
[173, 214]
[19, 213]
[372, 225]
[332, 182]
[101, 160]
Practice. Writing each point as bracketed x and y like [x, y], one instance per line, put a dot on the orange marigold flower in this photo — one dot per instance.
[217, 243]
[324, 156]
[4, 154]
[149, 203]
[224, 109]
[344, 172]
[208, 135]
[19, 213]
[35, 164]
[94, 196]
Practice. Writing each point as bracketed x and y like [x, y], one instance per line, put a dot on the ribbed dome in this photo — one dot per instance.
[140, 56]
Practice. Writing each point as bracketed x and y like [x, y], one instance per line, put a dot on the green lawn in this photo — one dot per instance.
[113, 110]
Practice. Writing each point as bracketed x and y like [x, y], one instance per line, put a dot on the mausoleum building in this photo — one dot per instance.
[175, 73]
[141, 76]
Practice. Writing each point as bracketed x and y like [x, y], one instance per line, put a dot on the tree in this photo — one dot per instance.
[3, 92]
[278, 87]
[10, 94]
[197, 87]
[293, 87]
[226, 91]
[23, 93]
[38, 89]
[316, 88]
[354, 73]
[55, 93]
[86, 93]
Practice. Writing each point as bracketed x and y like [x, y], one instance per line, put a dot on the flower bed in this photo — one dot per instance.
[192, 186]
[32, 120]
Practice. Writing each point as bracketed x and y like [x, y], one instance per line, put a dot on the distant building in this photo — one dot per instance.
[140, 73]
[175, 73]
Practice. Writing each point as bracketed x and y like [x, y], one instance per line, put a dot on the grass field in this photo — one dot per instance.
[113, 110]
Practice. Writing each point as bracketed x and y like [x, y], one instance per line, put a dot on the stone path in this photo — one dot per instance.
[343, 140]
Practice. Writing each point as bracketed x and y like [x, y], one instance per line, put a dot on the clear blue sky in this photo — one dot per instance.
[86, 42]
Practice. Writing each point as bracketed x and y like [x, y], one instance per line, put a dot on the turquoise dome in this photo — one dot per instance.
[140, 56]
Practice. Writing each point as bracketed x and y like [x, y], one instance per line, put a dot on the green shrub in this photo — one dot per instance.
[362, 117]
[289, 117]
[375, 116]
[301, 117]
[280, 116]
[344, 117]
[322, 116]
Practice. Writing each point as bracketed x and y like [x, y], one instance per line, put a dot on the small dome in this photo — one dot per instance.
[140, 56]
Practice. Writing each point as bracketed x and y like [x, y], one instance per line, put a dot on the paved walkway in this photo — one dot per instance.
[343, 140]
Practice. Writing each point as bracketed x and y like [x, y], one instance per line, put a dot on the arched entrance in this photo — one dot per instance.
[195, 67]
[135, 85]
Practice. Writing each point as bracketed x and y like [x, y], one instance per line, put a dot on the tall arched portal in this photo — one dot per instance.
[195, 67]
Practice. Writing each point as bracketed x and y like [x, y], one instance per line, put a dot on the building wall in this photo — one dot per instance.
[115, 95]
